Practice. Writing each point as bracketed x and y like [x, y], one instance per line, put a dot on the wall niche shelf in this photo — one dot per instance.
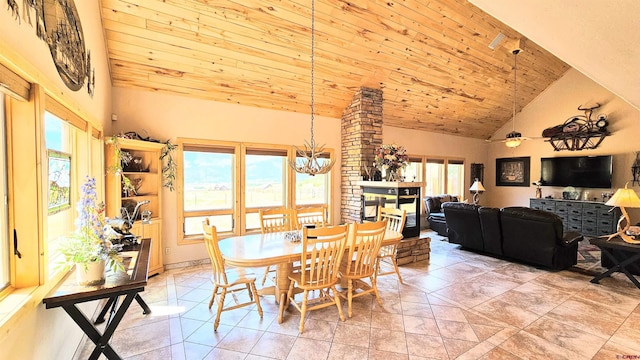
[576, 141]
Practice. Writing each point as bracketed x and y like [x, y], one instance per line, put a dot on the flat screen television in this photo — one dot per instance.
[577, 171]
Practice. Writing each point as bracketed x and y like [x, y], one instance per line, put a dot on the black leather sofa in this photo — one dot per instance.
[434, 214]
[519, 233]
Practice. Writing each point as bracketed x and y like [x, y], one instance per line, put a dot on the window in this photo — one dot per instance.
[455, 177]
[413, 171]
[434, 177]
[265, 182]
[230, 183]
[313, 190]
[209, 187]
[60, 212]
[4, 218]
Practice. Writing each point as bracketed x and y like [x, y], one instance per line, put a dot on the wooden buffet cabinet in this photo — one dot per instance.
[148, 176]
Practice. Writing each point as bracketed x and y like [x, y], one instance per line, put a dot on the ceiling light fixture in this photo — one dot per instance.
[308, 159]
[514, 138]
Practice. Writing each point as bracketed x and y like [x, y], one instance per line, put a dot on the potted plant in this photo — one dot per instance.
[89, 248]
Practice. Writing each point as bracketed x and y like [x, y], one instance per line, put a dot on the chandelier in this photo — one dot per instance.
[514, 138]
[309, 160]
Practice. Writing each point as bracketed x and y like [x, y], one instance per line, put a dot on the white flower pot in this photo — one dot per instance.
[91, 274]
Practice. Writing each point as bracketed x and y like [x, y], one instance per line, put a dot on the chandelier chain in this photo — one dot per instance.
[515, 82]
[309, 158]
[313, 37]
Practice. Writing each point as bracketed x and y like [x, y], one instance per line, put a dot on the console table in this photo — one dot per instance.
[128, 284]
[620, 263]
[586, 217]
[401, 195]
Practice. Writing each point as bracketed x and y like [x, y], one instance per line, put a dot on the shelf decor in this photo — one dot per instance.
[390, 159]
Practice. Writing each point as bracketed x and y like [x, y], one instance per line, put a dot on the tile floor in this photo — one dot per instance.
[458, 305]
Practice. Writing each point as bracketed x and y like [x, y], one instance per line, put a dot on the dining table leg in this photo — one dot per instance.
[282, 286]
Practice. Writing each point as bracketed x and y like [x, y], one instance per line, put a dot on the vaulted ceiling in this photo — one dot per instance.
[431, 58]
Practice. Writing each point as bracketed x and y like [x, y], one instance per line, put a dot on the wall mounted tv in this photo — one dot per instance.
[577, 171]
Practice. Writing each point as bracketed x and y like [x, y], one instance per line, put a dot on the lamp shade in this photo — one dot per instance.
[624, 198]
[477, 186]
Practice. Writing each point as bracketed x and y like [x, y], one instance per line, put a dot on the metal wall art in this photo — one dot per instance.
[579, 132]
[58, 24]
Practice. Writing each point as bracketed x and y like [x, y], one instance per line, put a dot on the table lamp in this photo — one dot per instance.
[624, 198]
[478, 188]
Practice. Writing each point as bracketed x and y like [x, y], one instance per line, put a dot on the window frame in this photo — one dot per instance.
[27, 176]
[240, 211]
[424, 159]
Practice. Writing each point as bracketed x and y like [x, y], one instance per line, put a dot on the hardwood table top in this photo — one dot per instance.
[136, 264]
[257, 250]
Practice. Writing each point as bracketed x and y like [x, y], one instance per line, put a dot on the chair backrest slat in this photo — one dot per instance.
[364, 246]
[311, 215]
[322, 250]
[211, 242]
[276, 220]
[395, 218]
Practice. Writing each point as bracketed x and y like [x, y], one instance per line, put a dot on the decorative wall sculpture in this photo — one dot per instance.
[579, 132]
[58, 24]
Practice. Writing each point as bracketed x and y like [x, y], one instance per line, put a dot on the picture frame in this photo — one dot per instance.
[513, 171]
[59, 197]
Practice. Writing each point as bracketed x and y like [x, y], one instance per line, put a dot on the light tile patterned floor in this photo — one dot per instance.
[459, 305]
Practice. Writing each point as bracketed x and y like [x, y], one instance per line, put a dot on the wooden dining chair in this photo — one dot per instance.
[322, 250]
[395, 222]
[311, 215]
[227, 281]
[364, 244]
[276, 220]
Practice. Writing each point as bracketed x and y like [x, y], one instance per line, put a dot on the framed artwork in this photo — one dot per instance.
[512, 171]
[59, 181]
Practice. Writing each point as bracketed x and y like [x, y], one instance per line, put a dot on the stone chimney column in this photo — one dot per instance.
[361, 134]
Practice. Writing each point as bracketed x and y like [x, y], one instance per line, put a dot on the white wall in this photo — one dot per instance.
[556, 104]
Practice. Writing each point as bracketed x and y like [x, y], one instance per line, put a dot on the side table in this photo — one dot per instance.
[116, 285]
[620, 264]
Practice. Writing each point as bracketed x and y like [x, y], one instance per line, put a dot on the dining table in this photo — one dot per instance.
[277, 249]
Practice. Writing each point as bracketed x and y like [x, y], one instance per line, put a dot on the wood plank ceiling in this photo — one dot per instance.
[430, 57]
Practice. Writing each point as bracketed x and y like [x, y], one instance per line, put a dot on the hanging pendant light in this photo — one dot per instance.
[514, 138]
[308, 159]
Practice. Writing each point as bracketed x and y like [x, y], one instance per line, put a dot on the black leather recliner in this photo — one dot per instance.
[434, 213]
[491, 230]
[528, 235]
[463, 225]
[536, 237]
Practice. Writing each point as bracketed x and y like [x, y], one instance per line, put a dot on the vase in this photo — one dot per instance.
[91, 273]
[391, 175]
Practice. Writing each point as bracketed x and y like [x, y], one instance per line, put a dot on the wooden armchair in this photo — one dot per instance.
[322, 250]
[276, 220]
[364, 246]
[395, 222]
[227, 281]
[313, 215]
